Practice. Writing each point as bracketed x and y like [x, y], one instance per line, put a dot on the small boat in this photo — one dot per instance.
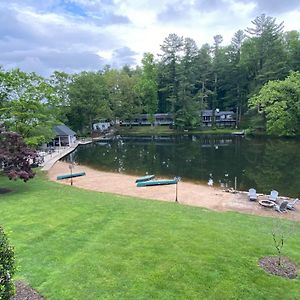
[66, 176]
[238, 132]
[145, 178]
[157, 182]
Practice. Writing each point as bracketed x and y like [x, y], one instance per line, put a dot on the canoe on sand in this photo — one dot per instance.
[145, 178]
[156, 182]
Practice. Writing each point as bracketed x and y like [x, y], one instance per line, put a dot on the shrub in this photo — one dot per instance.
[7, 268]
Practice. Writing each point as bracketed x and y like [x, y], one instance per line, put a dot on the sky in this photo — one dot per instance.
[76, 35]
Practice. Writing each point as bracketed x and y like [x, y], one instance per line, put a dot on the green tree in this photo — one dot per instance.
[187, 114]
[233, 78]
[60, 82]
[122, 93]
[88, 101]
[147, 87]
[28, 106]
[292, 46]
[217, 63]
[203, 65]
[130, 103]
[169, 72]
[7, 267]
[279, 101]
[270, 58]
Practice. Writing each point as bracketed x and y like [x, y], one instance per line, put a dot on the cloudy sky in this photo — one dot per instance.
[76, 35]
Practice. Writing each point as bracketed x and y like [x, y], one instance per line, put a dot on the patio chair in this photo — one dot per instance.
[282, 207]
[291, 205]
[252, 195]
[273, 196]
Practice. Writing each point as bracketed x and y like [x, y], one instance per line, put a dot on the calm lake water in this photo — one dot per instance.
[255, 162]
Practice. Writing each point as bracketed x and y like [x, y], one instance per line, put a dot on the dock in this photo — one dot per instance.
[51, 158]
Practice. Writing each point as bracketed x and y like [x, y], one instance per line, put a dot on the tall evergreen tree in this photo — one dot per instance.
[147, 86]
[292, 46]
[204, 73]
[267, 46]
[217, 61]
[169, 71]
[187, 114]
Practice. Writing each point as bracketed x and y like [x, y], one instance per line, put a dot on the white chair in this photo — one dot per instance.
[291, 205]
[252, 195]
[273, 196]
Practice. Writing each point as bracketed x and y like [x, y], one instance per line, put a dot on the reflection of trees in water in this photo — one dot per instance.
[265, 165]
[274, 164]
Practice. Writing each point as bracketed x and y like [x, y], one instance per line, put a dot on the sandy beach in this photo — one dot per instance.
[188, 193]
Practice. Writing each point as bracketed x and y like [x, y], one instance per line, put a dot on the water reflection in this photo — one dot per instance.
[259, 163]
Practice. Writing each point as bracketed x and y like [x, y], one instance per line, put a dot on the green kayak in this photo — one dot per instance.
[145, 178]
[60, 177]
[156, 182]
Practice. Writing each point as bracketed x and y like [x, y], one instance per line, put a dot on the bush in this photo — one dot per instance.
[7, 268]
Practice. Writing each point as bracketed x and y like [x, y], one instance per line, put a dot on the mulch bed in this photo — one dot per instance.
[4, 191]
[287, 268]
[25, 292]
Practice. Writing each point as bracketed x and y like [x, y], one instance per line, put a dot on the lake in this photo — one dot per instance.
[261, 163]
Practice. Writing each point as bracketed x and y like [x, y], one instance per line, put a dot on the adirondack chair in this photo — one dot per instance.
[291, 205]
[252, 195]
[282, 207]
[273, 196]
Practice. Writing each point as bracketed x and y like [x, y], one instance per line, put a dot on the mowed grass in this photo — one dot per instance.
[77, 244]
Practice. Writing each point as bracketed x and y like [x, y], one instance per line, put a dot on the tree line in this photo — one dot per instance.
[256, 76]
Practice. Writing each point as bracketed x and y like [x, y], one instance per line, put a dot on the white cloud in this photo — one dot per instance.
[44, 35]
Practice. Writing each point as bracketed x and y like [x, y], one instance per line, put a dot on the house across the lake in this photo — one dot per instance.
[64, 136]
[102, 125]
[222, 119]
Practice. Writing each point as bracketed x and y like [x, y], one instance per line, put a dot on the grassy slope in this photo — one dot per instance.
[77, 244]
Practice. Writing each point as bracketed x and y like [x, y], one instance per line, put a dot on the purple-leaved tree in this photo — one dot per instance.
[15, 156]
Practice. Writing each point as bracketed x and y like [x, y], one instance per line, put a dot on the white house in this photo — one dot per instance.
[101, 126]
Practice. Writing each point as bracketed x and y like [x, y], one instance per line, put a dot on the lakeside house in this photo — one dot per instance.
[102, 125]
[222, 119]
[64, 136]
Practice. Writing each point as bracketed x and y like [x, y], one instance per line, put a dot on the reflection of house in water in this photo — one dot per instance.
[205, 141]
[211, 141]
[146, 139]
[222, 119]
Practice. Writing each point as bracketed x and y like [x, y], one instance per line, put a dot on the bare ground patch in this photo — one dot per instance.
[286, 268]
[25, 292]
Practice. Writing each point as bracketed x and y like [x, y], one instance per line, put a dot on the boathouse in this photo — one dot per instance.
[64, 136]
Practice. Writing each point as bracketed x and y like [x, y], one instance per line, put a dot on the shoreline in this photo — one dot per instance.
[192, 194]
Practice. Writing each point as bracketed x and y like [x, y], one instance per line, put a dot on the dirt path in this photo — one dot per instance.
[188, 193]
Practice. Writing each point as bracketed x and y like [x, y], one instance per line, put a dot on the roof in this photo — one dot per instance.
[217, 113]
[63, 130]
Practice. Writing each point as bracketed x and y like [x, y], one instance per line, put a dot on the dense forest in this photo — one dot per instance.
[257, 76]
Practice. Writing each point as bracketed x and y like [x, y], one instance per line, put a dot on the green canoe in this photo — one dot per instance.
[60, 177]
[156, 182]
[145, 178]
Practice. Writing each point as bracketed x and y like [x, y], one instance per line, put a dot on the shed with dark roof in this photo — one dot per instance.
[64, 135]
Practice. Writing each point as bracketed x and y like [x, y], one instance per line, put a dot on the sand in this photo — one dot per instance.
[213, 198]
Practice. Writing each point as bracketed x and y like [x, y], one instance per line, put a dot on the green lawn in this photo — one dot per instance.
[165, 130]
[77, 244]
